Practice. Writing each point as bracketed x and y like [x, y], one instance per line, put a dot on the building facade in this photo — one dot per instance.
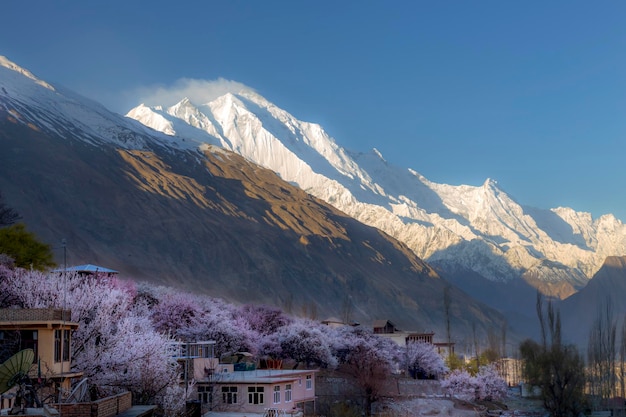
[235, 385]
[272, 392]
[48, 332]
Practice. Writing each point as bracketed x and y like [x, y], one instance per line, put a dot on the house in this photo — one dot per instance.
[271, 392]
[48, 332]
[419, 337]
[445, 349]
[389, 330]
[196, 359]
[235, 385]
[333, 322]
[384, 327]
[402, 338]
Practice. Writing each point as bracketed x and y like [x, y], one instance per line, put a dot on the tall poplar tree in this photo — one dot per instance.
[556, 368]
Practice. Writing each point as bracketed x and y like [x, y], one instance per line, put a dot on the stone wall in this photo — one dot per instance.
[342, 386]
[33, 314]
[106, 407]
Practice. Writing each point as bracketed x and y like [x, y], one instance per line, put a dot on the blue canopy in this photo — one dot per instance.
[88, 268]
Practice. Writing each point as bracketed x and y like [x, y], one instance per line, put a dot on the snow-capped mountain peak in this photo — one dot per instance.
[5, 62]
[490, 183]
[461, 229]
[34, 102]
[445, 224]
[153, 117]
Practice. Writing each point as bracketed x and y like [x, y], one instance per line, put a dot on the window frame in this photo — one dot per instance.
[205, 394]
[276, 393]
[62, 343]
[230, 394]
[288, 388]
[256, 395]
[65, 342]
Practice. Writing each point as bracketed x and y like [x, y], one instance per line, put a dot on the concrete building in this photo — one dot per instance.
[386, 328]
[235, 386]
[271, 392]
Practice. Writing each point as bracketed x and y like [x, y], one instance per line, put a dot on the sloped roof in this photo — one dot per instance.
[383, 323]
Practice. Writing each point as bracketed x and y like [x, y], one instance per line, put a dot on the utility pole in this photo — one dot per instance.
[63, 308]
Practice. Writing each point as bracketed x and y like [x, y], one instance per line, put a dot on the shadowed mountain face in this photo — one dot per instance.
[213, 223]
[605, 291]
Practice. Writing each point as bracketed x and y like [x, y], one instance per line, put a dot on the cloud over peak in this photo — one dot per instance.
[197, 91]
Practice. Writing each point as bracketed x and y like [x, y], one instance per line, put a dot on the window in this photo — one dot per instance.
[309, 382]
[288, 393]
[66, 345]
[28, 340]
[255, 395]
[57, 346]
[205, 394]
[277, 394]
[229, 395]
[61, 345]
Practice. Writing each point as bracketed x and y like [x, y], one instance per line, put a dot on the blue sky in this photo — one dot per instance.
[529, 93]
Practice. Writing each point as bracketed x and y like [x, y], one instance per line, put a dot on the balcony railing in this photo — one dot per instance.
[187, 350]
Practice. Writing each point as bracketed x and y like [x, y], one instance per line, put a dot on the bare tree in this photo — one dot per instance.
[476, 345]
[622, 365]
[601, 355]
[446, 307]
[346, 309]
[503, 353]
[8, 216]
[494, 345]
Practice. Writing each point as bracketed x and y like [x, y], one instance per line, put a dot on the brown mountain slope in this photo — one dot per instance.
[218, 225]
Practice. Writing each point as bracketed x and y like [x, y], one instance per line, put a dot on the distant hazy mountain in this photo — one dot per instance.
[472, 235]
[181, 211]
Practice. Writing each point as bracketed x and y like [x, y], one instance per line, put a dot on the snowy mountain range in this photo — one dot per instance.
[186, 213]
[468, 233]
[478, 238]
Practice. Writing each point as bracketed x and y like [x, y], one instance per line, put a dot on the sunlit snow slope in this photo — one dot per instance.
[457, 228]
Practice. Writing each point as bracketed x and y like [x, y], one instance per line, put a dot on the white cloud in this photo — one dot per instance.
[197, 91]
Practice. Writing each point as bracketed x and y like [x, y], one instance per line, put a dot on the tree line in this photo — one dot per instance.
[18, 246]
[126, 330]
[569, 381]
